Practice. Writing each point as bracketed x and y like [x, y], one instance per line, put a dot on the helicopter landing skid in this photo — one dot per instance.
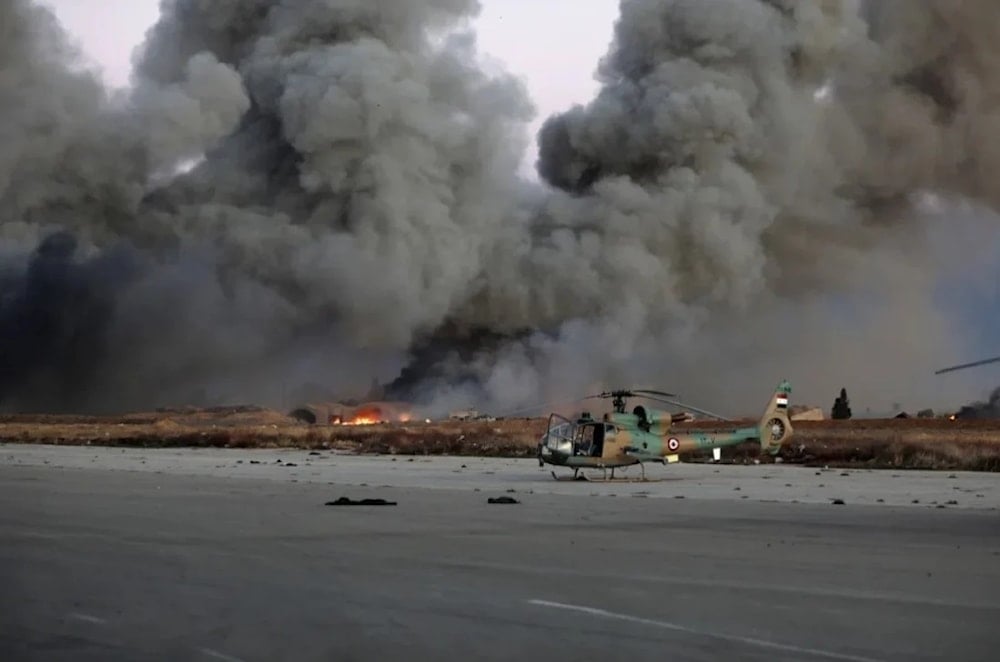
[577, 476]
[569, 479]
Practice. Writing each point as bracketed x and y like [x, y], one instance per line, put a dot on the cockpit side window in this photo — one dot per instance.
[589, 437]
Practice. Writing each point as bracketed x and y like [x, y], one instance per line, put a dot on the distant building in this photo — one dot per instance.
[801, 413]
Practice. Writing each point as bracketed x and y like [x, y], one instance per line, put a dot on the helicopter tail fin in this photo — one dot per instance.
[775, 426]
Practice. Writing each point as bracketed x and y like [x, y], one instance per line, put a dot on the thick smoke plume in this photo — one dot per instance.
[744, 200]
[989, 408]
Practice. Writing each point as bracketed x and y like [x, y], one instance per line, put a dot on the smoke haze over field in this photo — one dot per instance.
[745, 200]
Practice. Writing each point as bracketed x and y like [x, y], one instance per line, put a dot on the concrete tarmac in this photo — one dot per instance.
[201, 555]
[772, 482]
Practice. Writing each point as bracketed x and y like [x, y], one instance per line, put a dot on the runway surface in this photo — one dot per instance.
[201, 555]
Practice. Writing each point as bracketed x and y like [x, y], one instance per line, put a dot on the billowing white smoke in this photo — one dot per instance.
[707, 224]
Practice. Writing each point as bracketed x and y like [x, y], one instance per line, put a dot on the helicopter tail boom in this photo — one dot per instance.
[775, 427]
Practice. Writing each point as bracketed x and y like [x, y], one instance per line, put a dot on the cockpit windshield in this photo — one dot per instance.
[581, 438]
[560, 435]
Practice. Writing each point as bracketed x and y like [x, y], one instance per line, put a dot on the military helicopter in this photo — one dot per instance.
[623, 439]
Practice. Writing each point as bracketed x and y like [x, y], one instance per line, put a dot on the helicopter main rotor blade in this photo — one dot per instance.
[664, 394]
[683, 405]
[539, 406]
[631, 393]
[963, 366]
[646, 394]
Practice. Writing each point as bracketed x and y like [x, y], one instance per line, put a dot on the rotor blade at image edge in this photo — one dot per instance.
[967, 365]
[540, 406]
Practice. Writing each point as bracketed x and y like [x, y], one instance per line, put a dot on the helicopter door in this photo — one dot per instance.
[590, 440]
[600, 431]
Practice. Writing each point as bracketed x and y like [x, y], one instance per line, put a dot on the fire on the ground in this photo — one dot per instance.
[368, 413]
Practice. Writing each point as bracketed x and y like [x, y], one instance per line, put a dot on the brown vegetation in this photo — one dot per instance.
[883, 443]
[250, 428]
[967, 445]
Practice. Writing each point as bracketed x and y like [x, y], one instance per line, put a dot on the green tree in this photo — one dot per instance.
[841, 406]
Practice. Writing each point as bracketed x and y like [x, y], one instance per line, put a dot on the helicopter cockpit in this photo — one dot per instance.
[584, 437]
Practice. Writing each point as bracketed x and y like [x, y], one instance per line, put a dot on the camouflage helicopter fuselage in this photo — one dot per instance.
[622, 439]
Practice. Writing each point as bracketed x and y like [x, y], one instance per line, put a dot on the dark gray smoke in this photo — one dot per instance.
[354, 167]
[989, 408]
[54, 318]
[744, 200]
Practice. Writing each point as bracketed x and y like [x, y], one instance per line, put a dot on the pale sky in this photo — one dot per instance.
[554, 45]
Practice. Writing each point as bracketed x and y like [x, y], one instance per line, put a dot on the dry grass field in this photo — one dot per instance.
[882, 443]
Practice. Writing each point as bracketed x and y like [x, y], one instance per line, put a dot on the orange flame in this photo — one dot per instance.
[361, 420]
[371, 416]
[365, 416]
